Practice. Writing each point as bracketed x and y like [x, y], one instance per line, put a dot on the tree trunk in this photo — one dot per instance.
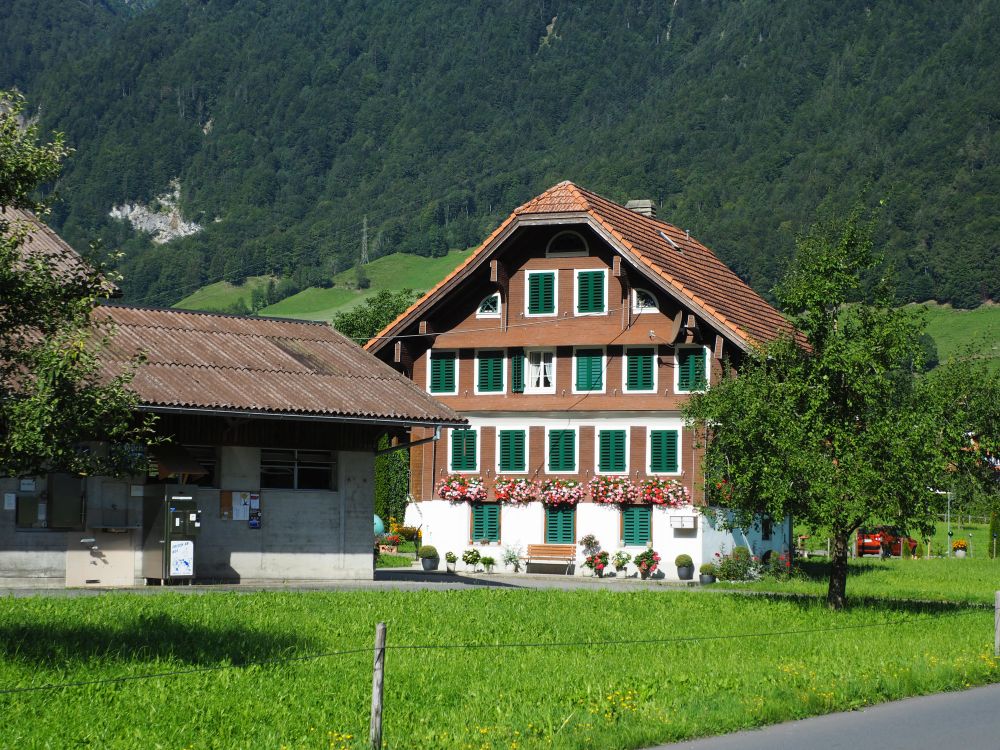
[836, 595]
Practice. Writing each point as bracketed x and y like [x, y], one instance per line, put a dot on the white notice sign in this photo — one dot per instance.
[182, 558]
[241, 506]
[9, 501]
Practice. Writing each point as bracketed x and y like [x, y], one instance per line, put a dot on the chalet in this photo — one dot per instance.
[570, 339]
[265, 474]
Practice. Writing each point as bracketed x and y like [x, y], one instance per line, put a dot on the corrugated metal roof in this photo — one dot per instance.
[196, 360]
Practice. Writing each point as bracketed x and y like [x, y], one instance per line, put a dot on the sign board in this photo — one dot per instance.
[682, 522]
[27, 485]
[9, 501]
[182, 557]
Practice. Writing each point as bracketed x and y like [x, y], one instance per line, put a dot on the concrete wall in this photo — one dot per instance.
[36, 557]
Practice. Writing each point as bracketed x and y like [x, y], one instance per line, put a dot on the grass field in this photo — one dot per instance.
[453, 679]
[954, 330]
[222, 295]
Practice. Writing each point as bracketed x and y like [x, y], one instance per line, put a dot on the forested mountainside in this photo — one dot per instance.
[277, 126]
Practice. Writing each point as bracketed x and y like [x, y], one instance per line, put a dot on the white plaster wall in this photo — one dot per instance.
[447, 526]
[718, 539]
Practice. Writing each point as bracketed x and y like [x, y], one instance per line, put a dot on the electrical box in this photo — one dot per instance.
[171, 523]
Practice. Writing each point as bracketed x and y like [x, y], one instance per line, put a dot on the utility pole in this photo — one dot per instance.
[364, 241]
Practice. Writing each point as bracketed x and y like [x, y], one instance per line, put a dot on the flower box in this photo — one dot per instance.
[562, 492]
[614, 490]
[515, 490]
[458, 488]
[669, 493]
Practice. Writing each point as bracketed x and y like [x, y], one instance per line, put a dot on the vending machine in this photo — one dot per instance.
[171, 523]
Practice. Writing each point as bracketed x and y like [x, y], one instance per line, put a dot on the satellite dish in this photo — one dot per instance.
[676, 326]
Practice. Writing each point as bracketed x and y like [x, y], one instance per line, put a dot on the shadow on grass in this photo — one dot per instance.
[875, 604]
[401, 575]
[816, 570]
[147, 638]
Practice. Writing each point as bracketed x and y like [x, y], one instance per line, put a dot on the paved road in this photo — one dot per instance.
[967, 720]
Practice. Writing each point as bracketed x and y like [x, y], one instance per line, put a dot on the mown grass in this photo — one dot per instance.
[393, 561]
[955, 330]
[735, 662]
[222, 295]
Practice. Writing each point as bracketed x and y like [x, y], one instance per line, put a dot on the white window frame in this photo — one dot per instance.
[527, 448]
[598, 428]
[480, 314]
[649, 450]
[656, 368]
[527, 370]
[479, 450]
[677, 368]
[636, 309]
[458, 367]
[576, 292]
[549, 253]
[555, 294]
[604, 370]
[576, 450]
[503, 372]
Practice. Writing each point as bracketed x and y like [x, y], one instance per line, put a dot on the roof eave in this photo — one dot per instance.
[304, 417]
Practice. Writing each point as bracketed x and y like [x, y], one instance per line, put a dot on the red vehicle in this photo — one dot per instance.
[883, 541]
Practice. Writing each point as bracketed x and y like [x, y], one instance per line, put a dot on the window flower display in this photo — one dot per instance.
[667, 492]
[459, 488]
[614, 490]
[515, 490]
[562, 492]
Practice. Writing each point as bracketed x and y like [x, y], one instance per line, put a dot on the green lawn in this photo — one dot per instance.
[471, 679]
[221, 295]
[954, 330]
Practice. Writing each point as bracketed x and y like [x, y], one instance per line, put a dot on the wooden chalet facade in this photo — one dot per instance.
[570, 340]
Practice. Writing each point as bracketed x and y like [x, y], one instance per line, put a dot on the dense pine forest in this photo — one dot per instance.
[291, 123]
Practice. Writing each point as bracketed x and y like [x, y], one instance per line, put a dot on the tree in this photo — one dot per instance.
[55, 397]
[378, 311]
[392, 474]
[838, 429]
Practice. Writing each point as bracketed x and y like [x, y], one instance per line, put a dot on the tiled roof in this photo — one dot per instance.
[197, 360]
[689, 267]
[42, 242]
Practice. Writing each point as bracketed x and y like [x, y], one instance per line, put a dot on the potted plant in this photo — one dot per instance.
[429, 557]
[512, 558]
[621, 561]
[706, 573]
[685, 567]
[597, 562]
[450, 558]
[647, 562]
[389, 544]
[471, 558]
[960, 547]
[488, 563]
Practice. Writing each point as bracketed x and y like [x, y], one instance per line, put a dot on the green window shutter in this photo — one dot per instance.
[443, 372]
[541, 293]
[517, 371]
[562, 450]
[611, 451]
[490, 376]
[589, 370]
[559, 525]
[663, 451]
[691, 374]
[639, 375]
[635, 524]
[512, 450]
[486, 522]
[463, 450]
[590, 292]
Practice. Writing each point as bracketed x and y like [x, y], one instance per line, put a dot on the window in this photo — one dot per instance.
[663, 452]
[464, 456]
[766, 528]
[635, 525]
[489, 307]
[208, 457]
[485, 522]
[640, 369]
[590, 292]
[511, 443]
[589, 371]
[692, 374]
[541, 372]
[562, 450]
[560, 525]
[611, 453]
[441, 377]
[540, 293]
[489, 371]
[59, 506]
[643, 301]
[298, 469]
[566, 245]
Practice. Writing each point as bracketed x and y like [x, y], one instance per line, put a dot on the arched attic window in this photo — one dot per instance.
[489, 307]
[567, 245]
[643, 301]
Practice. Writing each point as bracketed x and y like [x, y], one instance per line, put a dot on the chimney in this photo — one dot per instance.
[644, 207]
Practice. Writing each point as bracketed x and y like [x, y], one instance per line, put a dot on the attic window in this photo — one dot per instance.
[567, 245]
[489, 307]
[643, 301]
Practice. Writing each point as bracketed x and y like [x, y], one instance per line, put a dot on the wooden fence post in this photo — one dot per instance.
[375, 732]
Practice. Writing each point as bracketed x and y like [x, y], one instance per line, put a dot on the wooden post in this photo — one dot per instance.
[996, 626]
[375, 733]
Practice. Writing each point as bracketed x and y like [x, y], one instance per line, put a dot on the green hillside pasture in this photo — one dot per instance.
[710, 664]
[394, 272]
[222, 295]
[955, 330]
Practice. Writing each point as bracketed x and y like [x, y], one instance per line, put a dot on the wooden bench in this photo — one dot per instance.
[550, 553]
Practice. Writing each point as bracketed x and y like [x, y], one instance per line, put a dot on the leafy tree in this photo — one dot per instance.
[365, 320]
[53, 395]
[392, 473]
[837, 430]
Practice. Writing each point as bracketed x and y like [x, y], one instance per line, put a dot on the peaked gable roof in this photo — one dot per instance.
[692, 272]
